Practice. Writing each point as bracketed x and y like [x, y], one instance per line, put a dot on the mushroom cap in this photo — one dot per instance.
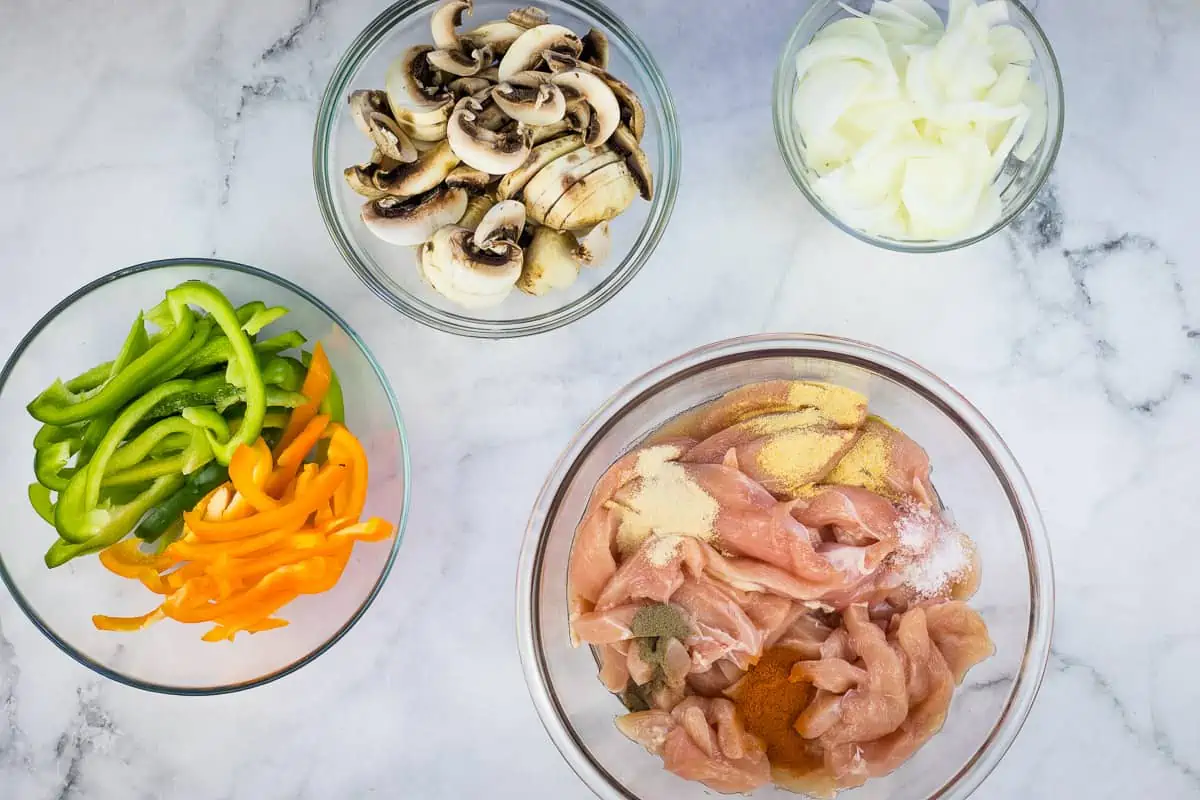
[413, 220]
[550, 262]
[502, 223]
[363, 103]
[528, 17]
[477, 206]
[526, 52]
[546, 187]
[605, 113]
[595, 245]
[389, 137]
[632, 112]
[467, 177]
[595, 48]
[467, 86]
[490, 151]
[598, 197]
[539, 157]
[468, 275]
[624, 142]
[431, 168]
[359, 177]
[444, 22]
[498, 35]
[413, 74]
[462, 61]
[530, 97]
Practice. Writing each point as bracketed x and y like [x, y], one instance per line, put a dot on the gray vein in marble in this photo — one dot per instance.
[1157, 739]
[90, 731]
[13, 748]
[289, 40]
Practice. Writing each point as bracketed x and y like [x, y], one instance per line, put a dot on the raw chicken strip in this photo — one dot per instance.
[878, 706]
[855, 516]
[605, 627]
[720, 627]
[844, 407]
[704, 741]
[886, 461]
[614, 667]
[805, 635]
[960, 635]
[713, 681]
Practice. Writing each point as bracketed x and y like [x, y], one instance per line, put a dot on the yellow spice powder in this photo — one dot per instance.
[798, 457]
[867, 463]
[846, 407]
[665, 502]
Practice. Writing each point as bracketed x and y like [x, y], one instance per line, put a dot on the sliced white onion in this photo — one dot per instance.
[906, 121]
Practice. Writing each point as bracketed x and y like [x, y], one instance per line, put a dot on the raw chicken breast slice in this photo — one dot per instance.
[713, 449]
[844, 407]
[605, 627]
[876, 707]
[886, 461]
[713, 681]
[654, 572]
[831, 674]
[804, 635]
[960, 634]
[854, 516]
[720, 627]
[701, 740]
[614, 668]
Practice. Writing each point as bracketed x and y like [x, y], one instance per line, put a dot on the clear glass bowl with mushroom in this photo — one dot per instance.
[496, 171]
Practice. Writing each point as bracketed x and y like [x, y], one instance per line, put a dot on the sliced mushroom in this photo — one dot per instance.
[492, 73]
[541, 155]
[595, 49]
[549, 262]
[364, 103]
[632, 112]
[469, 178]
[595, 244]
[430, 169]
[503, 223]
[465, 87]
[492, 117]
[445, 22]
[551, 183]
[389, 137]
[578, 116]
[359, 178]
[605, 113]
[423, 145]
[624, 142]
[526, 52]
[544, 133]
[466, 274]
[413, 73]
[498, 35]
[492, 152]
[528, 17]
[598, 197]
[413, 220]
[477, 206]
[531, 98]
[462, 61]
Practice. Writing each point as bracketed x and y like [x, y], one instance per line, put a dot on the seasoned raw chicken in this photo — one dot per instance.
[884, 460]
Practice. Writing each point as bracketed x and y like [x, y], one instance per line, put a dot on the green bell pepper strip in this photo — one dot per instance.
[169, 537]
[276, 398]
[224, 315]
[218, 351]
[52, 434]
[136, 343]
[91, 379]
[141, 448]
[246, 312]
[39, 498]
[277, 344]
[141, 473]
[274, 420]
[78, 516]
[171, 510]
[57, 405]
[286, 373]
[262, 318]
[50, 464]
[177, 364]
[119, 521]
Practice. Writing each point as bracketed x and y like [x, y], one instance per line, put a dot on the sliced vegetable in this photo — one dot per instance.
[170, 511]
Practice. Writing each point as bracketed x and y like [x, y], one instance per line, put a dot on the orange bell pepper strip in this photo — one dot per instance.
[249, 471]
[346, 450]
[304, 504]
[291, 459]
[126, 624]
[253, 617]
[282, 579]
[195, 551]
[316, 384]
[125, 558]
[373, 530]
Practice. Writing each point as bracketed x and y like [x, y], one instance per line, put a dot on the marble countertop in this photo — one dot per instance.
[169, 128]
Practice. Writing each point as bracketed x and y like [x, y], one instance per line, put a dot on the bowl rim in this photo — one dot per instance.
[781, 86]
[952, 403]
[620, 274]
[232, 266]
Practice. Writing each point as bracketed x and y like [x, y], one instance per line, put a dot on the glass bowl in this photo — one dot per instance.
[975, 476]
[391, 272]
[1019, 181]
[86, 329]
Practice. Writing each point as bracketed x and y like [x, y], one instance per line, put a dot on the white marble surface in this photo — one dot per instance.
[135, 130]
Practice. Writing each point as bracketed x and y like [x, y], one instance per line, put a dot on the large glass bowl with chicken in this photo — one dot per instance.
[783, 565]
[495, 170]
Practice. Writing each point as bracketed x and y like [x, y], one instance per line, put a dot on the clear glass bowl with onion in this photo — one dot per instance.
[975, 476]
[866, 208]
[391, 272]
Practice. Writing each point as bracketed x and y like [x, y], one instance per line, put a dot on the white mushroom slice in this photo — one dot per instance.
[526, 52]
[578, 116]
[605, 113]
[359, 178]
[550, 262]
[469, 178]
[632, 112]
[363, 103]
[512, 183]
[413, 75]
[528, 17]
[595, 49]
[413, 220]
[469, 276]
[502, 223]
[463, 61]
[430, 134]
[531, 98]
[496, 153]
[598, 197]
[390, 138]
[492, 73]
[430, 169]
[465, 87]
[595, 244]
[625, 143]
[498, 35]
[445, 21]
[477, 207]
[546, 187]
[424, 146]
[544, 133]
